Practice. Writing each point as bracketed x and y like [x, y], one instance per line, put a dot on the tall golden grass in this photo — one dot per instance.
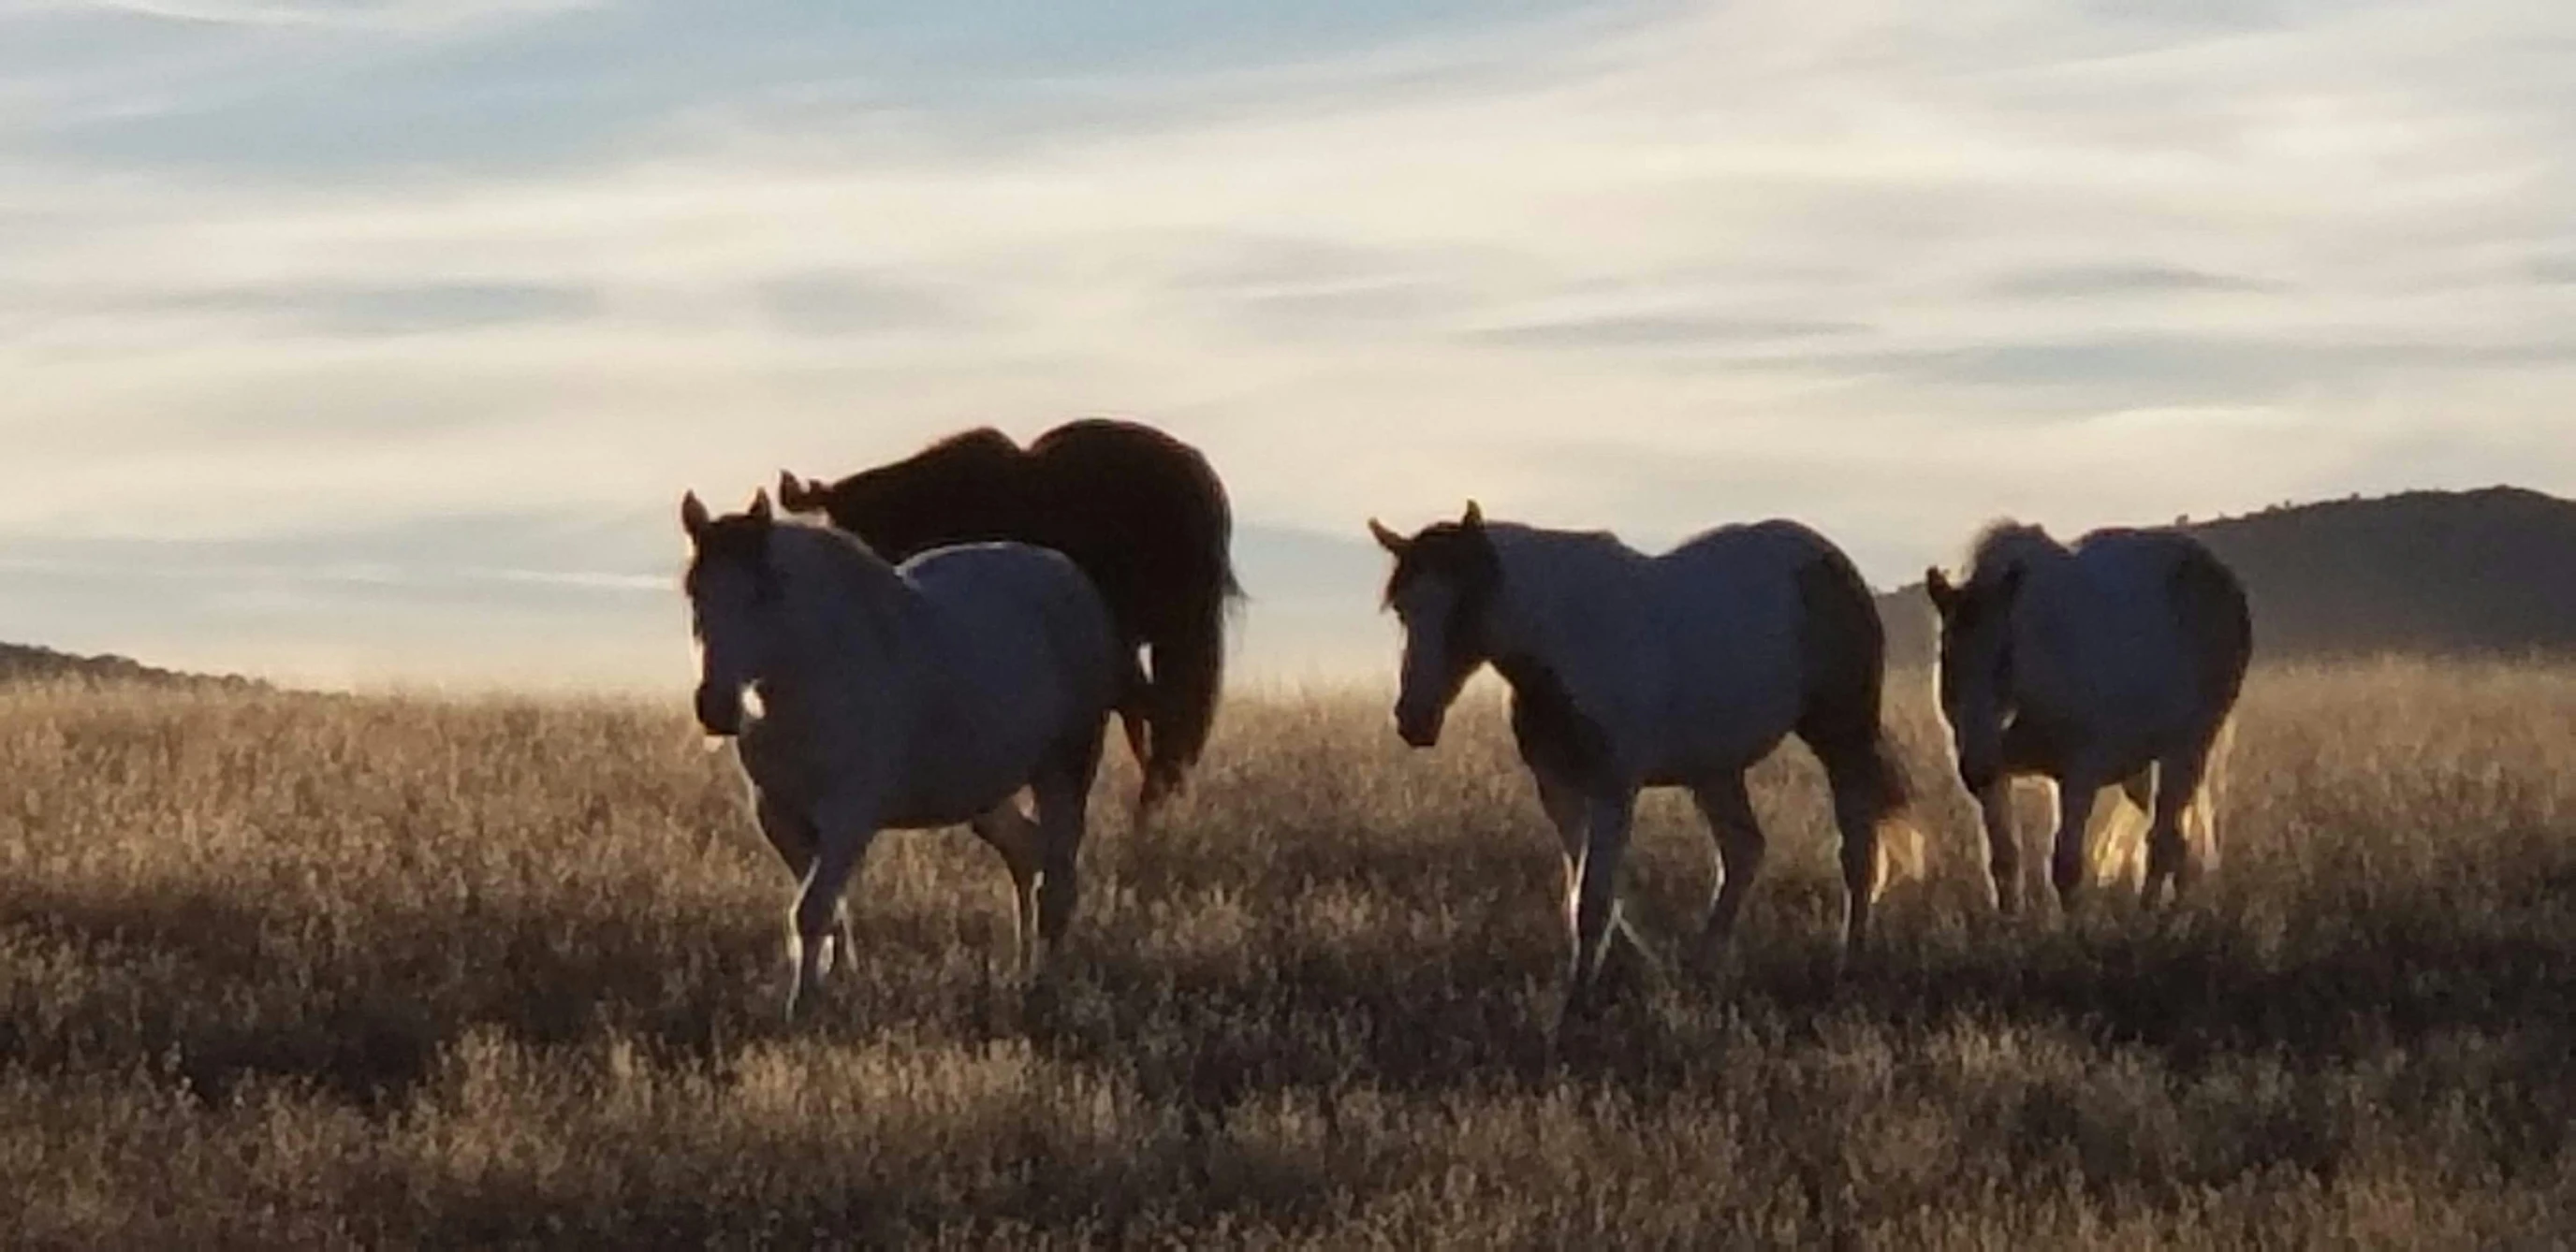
[286, 970]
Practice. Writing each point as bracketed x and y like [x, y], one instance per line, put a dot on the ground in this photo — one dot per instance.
[305, 970]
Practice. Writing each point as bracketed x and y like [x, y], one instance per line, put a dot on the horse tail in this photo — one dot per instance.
[1189, 653]
[1900, 840]
[2211, 602]
[1843, 648]
[1189, 674]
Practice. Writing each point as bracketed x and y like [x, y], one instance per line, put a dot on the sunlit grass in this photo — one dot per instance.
[299, 970]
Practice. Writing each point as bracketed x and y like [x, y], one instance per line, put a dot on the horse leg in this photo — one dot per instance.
[1136, 711]
[1012, 834]
[1062, 790]
[844, 828]
[1131, 721]
[1565, 812]
[1728, 809]
[2003, 846]
[2168, 853]
[1856, 813]
[1571, 816]
[1140, 713]
[792, 834]
[2066, 860]
[1595, 906]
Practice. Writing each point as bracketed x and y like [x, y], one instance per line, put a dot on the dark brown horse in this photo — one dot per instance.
[1140, 512]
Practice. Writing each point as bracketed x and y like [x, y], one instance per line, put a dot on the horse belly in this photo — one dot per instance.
[967, 773]
[1731, 694]
[2114, 718]
[984, 743]
[1716, 742]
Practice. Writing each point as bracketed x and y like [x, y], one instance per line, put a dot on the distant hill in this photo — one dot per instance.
[2429, 572]
[21, 662]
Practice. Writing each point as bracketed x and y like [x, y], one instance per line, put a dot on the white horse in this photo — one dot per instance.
[1629, 671]
[2116, 660]
[912, 697]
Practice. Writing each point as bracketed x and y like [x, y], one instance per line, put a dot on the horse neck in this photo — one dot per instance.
[1555, 588]
[986, 495]
[844, 609]
[2008, 544]
[948, 495]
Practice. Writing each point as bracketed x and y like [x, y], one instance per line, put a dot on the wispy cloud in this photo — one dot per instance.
[2133, 279]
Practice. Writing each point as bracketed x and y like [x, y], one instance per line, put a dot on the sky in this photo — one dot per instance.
[372, 342]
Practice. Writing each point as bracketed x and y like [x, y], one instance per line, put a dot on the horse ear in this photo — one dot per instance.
[760, 512]
[1387, 539]
[791, 492]
[1475, 516]
[1937, 585]
[693, 514]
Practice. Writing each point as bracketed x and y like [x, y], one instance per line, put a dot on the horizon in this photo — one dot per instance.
[371, 343]
[1369, 673]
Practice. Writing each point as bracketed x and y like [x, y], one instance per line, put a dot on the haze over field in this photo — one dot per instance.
[373, 341]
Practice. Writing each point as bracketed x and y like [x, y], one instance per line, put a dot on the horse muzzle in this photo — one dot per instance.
[1418, 730]
[720, 711]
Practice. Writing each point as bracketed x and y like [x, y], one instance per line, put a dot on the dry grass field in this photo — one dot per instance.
[304, 971]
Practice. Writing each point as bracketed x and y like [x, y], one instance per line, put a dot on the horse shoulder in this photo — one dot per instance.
[1566, 643]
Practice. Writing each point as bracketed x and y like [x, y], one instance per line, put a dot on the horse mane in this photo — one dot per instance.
[981, 439]
[966, 452]
[814, 541]
[2004, 544]
[804, 551]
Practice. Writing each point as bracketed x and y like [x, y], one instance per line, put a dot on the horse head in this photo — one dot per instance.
[731, 586]
[1975, 666]
[801, 495]
[1442, 589]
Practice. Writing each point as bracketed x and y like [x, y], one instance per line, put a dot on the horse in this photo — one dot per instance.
[1628, 671]
[2116, 659]
[1142, 513]
[908, 697]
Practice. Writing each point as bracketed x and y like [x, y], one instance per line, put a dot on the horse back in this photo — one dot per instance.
[1739, 615]
[2165, 624]
[1736, 590]
[1016, 619]
[1142, 512]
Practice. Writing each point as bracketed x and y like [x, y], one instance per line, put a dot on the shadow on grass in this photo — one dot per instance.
[221, 990]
